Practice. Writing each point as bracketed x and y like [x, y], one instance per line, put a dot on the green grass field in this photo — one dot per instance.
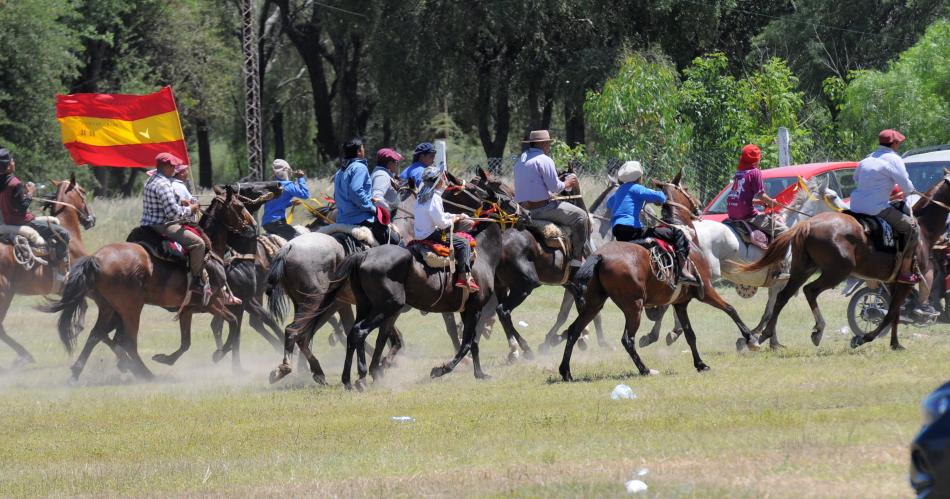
[829, 421]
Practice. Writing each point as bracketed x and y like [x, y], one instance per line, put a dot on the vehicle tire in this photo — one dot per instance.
[867, 309]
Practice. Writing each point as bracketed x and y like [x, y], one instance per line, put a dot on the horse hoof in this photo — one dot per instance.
[217, 356]
[320, 379]
[582, 343]
[649, 372]
[897, 347]
[438, 372]
[566, 376]
[543, 348]
[360, 385]
[22, 361]
[513, 356]
[647, 340]
[816, 337]
[702, 367]
[163, 359]
[672, 336]
[482, 376]
[741, 345]
[72, 381]
[753, 344]
[528, 354]
[856, 342]
[348, 386]
[279, 373]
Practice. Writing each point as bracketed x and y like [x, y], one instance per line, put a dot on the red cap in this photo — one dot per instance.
[888, 137]
[750, 157]
[167, 158]
[386, 154]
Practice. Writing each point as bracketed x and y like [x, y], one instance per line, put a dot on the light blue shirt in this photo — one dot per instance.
[275, 210]
[535, 177]
[415, 172]
[876, 176]
[351, 191]
[625, 205]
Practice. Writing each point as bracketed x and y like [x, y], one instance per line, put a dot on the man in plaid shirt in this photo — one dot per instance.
[160, 206]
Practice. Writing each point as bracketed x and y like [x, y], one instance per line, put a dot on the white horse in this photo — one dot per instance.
[724, 250]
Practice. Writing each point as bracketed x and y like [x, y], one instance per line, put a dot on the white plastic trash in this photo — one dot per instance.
[522, 323]
[622, 391]
[643, 472]
[403, 419]
[636, 486]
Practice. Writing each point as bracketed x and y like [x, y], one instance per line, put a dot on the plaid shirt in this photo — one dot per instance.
[160, 204]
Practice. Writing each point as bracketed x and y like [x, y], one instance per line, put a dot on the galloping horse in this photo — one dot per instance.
[123, 277]
[837, 245]
[623, 271]
[725, 251]
[69, 206]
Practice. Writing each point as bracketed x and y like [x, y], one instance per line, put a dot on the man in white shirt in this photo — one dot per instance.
[876, 176]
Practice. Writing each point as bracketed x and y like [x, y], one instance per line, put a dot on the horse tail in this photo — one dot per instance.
[316, 307]
[72, 304]
[578, 286]
[276, 295]
[794, 237]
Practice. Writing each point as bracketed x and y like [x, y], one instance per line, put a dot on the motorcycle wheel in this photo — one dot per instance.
[867, 309]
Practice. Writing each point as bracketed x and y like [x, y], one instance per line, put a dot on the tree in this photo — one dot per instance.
[636, 115]
[37, 55]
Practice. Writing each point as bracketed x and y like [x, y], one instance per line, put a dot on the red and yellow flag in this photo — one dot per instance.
[120, 130]
[787, 196]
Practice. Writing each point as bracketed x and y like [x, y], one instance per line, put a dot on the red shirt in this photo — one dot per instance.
[14, 204]
[746, 186]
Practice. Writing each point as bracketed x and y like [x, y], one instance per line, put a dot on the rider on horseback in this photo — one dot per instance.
[536, 180]
[625, 206]
[876, 175]
[433, 223]
[422, 157]
[15, 199]
[352, 192]
[384, 194]
[274, 219]
[748, 190]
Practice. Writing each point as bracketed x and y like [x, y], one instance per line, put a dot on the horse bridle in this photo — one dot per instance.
[694, 213]
[86, 218]
[210, 217]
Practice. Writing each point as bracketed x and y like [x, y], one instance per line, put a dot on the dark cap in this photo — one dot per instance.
[5, 158]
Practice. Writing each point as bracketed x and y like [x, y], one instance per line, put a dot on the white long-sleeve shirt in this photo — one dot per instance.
[431, 215]
[876, 176]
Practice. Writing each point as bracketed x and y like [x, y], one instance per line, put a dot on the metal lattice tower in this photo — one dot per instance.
[252, 91]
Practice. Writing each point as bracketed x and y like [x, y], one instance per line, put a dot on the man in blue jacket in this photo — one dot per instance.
[274, 219]
[353, 193]
[422, 157]
[625, 207]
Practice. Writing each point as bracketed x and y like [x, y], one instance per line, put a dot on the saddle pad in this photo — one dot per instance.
[882, 235]
[158, 246]
[747, 233]
[551, 235]
[649, 242]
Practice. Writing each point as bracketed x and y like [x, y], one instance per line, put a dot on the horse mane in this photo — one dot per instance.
[602, 197]
[923, 206]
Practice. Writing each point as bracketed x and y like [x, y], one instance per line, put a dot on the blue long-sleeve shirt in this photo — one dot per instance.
[275, 210]
[352, 191]
[625, 205]
[415, 171]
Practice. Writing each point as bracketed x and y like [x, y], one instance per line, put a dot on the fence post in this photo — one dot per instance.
[440, 153]
[784, 155]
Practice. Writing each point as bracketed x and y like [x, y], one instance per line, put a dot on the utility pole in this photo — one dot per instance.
[784, 154]
[252, 91]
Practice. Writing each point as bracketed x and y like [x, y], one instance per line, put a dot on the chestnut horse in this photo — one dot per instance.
[623, 272]
[123, 277]
[836, 245]
[70, 207]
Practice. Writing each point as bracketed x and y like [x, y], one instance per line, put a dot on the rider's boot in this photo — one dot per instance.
[907, 275]
[686, 277]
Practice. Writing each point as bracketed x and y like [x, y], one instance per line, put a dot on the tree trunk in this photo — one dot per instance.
[387, 131]
[492, 91]
[574, 119]
[277, 126]
[129, 184]
[205, 170]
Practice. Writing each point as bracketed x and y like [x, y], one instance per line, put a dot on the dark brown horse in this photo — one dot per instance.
[836, 245]
[623, 272]
[123, 277]
[70, 207]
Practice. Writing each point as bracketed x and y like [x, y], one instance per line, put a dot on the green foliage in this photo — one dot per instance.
[636, 115]
[37, 54]
[912, 95]
[563, 154]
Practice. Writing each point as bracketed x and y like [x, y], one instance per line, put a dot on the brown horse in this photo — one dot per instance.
[123, 277]
[69, 206]
[623, 272]
[836, 244]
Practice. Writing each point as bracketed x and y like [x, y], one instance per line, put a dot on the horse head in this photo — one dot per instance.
[70, 196]
[680, 206]
[228, 210]
[487, 181]
[255, 194]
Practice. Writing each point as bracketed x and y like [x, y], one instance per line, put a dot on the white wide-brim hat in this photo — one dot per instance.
[631, 171]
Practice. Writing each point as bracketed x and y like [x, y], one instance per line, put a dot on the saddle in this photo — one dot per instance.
[353, 238]
[748, 234]
[435, 255]
[662, 259]
[551, 235]
[158, 246]
[882, 236]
